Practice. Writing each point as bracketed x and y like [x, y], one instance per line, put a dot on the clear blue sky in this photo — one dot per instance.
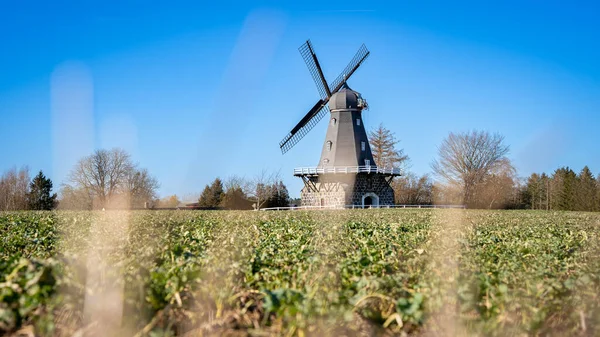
[203, 89]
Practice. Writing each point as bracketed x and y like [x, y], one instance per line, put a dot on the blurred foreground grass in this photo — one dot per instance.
[351, 272]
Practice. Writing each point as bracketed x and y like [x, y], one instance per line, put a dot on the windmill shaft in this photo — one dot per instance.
[308, 116]
[321, 75]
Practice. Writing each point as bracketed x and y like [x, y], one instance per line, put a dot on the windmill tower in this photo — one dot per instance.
[346, 174]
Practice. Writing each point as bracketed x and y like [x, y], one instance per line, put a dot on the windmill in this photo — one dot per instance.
[346, 174]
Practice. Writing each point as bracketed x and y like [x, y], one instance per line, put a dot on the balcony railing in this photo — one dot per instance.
[345, 169]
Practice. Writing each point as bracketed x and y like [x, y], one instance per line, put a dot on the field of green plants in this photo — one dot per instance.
[319, 273]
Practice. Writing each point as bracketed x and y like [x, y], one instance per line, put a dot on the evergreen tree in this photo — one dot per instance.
[39, 197]
[216, 192]
[586, 191]
[564, 188]
[536, 191]
[278, 195]
[205, 197]
[211, 195]
[544, 195]
[597, 193]
[532, 191]
[235, 198]
[282, 195]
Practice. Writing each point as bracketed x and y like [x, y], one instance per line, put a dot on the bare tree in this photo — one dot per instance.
[14, 187]
[259, 189]
[235, 195]
[140, 187]
[466, 159]
[412, 190]
[75, 198]
[383, 146]
[171, 201]
[237, 182]
[110, 178]
[497, 188]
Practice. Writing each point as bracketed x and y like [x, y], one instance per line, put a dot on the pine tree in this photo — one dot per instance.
[533, 191]
[586, 191]
[597, 193]
[235, 198]
[205, 197]
[535, 195]
[282, 195]
[216, 191]
[278, 195]
[211, 195]
[564, 187]
[544, 195]
[39, 197]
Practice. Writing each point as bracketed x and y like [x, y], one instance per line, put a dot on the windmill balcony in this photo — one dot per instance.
[313, 171]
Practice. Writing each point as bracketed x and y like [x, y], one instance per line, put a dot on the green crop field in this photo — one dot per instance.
[352, 272]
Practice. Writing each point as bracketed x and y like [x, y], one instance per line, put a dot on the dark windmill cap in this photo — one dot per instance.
[345, 98]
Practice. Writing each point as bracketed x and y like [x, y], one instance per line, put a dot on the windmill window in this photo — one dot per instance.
[325, 161]
[362, 146]
[358, 121]
[333, 121]
[329, 143]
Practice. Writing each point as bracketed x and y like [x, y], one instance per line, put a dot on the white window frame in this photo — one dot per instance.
[368, 162]
[358, 122]
[329, 145]
[363, 146]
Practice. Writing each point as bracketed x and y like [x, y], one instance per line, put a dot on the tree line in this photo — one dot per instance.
[104, 179]
[471, 168]
[108, 179]
[562, 190]
[19, 192]
[262, 191]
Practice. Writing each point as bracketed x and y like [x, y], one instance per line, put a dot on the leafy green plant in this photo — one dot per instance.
[306, 273]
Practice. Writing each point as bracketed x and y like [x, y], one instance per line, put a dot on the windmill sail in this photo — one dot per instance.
[320, 109]
[356, 61]
[310, 58]
[304, 126]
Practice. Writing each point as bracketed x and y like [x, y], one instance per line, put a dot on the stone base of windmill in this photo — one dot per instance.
[363, 190]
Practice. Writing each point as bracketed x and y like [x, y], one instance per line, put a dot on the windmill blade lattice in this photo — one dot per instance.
[356, 61]
[310, 58]
[320, 109]
[306, 124]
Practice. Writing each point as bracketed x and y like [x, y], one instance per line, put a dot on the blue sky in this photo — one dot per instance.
[196, 90]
